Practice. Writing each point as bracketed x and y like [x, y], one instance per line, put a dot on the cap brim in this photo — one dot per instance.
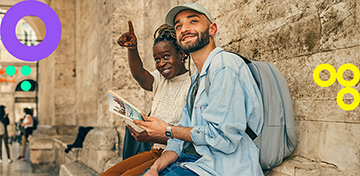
[169, 19]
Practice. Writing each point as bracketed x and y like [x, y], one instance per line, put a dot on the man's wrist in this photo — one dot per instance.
[168, 132]
[154, 168]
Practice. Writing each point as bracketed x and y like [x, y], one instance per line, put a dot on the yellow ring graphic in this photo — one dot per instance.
[320, 68]
[352, 68]
[354, 93]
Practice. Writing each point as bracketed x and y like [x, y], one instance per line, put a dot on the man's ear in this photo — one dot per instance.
[212, 29]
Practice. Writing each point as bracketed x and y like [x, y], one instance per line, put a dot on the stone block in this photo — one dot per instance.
[324, 110]
[336, 144]
[73, 155]
[99, 146]
[39, 156]
[76, 169]
[111, 162]
[44, 168]
[64, 117]
[96, 159]
[65, 96]
[68, 131]
[40, 143]
[301, 83]
[62, 4]
[338, 20]
[101, 139]
[42, 130]
[63, 141]
[303, 166]
[274, 173]
[64, 78]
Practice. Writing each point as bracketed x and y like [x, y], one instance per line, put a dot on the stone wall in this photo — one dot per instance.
[295, 35]
[56, 83]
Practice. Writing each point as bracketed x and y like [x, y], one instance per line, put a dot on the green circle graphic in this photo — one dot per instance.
[10, 70]
[25, 70]
[25, 85]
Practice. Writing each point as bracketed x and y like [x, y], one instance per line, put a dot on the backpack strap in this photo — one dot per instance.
[248, 130]
[207, 81]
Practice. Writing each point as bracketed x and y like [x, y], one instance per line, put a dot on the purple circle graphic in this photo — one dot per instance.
[30, 8]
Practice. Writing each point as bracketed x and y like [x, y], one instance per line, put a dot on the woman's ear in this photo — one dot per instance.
[182, 56]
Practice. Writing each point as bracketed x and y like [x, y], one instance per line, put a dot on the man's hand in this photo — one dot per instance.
[153, 126]
[128, 39]
[151, 172]
[141, 137]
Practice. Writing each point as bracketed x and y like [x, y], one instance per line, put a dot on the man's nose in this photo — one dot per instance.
[185, 28]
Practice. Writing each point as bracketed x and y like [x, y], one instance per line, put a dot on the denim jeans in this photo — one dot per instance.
[175, 169]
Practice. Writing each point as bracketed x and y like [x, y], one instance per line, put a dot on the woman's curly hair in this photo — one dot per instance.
[166, 33]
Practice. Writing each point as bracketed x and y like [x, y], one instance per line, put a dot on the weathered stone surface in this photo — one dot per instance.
[56, 71]
[101, 139]
[304, 166]
[339, 22]
[42, 156]
[61, 157]
[67, 130]
[295, 35]
[299, 73]
[325, 111]
[99, 146]
[65, 119]
[39, 143]
[96, 159]
[111, 162]
[43, 130]
[337, 144]
[76, 169]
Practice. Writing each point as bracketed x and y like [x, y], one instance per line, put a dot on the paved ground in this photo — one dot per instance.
[17, 167]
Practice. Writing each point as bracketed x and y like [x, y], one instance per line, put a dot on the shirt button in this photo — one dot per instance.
[198, 132]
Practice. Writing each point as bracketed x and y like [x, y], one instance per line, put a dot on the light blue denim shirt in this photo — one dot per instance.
[219, 119]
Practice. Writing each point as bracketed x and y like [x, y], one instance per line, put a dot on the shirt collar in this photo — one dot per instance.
[209, 59]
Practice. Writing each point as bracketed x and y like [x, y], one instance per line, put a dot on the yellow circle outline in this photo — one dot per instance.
[354, 93]
[341, 71]
[320, 68]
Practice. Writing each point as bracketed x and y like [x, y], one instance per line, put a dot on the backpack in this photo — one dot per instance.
[277, 139]
[35, 123]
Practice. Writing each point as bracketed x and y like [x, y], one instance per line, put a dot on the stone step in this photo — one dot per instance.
[76, 169]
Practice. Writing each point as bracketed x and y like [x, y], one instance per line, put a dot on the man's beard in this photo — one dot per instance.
[200, 42]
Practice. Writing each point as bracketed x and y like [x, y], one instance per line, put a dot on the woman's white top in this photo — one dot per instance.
[28, 119]
[169, 97]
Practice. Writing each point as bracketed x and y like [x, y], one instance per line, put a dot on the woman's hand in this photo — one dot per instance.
[153, 126]
[128, 39]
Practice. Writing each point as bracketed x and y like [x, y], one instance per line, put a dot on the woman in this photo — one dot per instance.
[169, 85]
[4, 122]
[27, 125]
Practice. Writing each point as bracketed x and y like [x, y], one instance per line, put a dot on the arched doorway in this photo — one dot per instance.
[24, 99]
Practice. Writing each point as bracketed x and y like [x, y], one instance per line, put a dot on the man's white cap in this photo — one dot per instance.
[170, 16]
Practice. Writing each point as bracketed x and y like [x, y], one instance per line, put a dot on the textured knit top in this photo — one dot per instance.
[169, 97]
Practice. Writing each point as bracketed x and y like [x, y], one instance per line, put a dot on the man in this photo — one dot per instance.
[210, 138]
